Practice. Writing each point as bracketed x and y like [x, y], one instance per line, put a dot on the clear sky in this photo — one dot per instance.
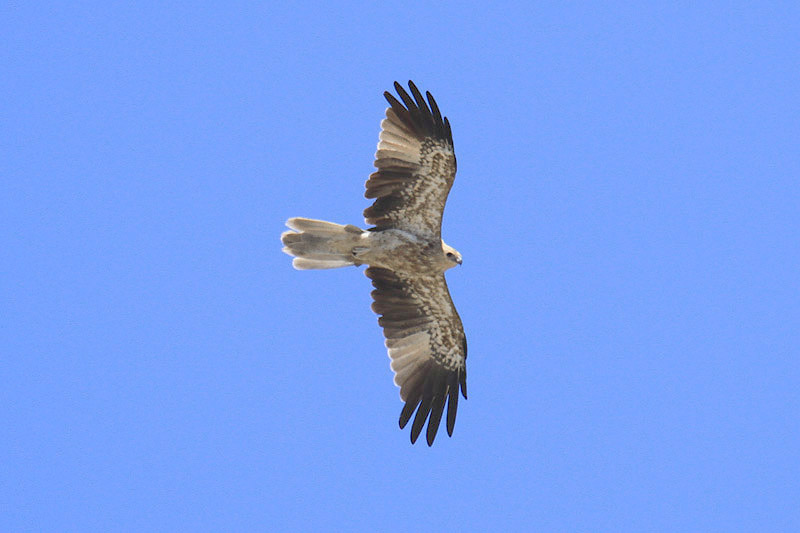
[628, 209]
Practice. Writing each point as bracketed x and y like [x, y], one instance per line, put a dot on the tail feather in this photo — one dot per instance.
[303, 263]
[321, 226]
[317, 244]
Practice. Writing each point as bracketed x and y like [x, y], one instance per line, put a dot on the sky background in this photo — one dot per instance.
[628, 209]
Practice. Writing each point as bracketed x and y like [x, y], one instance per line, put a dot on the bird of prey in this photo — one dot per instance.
[406, 258]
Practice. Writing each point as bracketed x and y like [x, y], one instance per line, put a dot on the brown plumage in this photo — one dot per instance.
[416, 166]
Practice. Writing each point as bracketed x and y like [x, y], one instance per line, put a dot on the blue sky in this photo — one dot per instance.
[626, 205]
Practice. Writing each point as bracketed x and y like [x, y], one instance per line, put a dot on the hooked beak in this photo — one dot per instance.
[458, 261]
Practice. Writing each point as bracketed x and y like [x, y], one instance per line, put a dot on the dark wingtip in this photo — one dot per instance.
[415, 434]
[405, 414]
[423, 117]
[394, 103]
[419, 420]
[430, 435]
[452, 407]
[437, 410]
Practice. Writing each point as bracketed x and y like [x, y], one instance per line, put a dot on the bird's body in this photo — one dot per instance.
[404, 252]
[406, 258]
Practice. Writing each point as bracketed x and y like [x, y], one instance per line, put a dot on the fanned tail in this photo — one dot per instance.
[317, 244]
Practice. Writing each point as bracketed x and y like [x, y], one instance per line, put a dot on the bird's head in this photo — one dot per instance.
[452, 255]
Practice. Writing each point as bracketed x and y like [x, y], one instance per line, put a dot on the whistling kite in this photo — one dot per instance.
[406, 258]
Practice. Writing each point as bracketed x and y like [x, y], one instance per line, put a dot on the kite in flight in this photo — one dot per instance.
[406, 258]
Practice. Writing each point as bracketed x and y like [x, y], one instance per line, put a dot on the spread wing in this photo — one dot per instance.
[416, 166]
[426, 344]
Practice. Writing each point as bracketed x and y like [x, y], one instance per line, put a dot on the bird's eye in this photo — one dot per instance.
[450, 255]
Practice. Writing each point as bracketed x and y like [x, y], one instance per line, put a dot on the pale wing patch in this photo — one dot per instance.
[407, 355]
[395, 133]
